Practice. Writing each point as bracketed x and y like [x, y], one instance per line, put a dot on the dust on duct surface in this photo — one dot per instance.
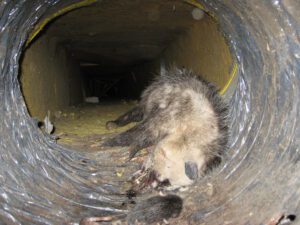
[45, 183]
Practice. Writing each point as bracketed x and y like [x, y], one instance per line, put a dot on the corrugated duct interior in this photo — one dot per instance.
[56, 54]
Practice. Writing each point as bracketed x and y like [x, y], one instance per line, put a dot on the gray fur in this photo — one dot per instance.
[185, 120]
[155, 209]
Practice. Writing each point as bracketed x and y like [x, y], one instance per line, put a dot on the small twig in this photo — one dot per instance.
[95, 220]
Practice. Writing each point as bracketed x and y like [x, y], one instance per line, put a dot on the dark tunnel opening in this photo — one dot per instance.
[99, 58]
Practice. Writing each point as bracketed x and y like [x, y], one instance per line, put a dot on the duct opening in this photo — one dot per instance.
[102, 54]
[42, 182]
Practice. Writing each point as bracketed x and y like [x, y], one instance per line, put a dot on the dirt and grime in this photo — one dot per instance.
[83, 127]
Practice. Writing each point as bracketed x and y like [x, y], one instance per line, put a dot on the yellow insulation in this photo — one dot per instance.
[231, 78]
[235, 65]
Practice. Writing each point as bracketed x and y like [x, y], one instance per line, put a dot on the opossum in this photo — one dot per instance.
[184, 121]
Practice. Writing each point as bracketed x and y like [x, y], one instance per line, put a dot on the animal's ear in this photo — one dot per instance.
[191, 170]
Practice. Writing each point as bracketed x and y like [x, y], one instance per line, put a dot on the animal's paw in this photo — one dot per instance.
[148, 178]
[111, 125]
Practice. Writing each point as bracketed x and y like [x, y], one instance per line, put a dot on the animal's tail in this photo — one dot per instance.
[155, 209]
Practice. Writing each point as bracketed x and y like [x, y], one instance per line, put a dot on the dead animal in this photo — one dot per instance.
[183, 120]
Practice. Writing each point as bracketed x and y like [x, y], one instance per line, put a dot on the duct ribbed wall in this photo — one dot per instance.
[44, 183]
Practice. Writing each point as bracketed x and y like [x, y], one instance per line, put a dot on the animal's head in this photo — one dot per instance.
[171, 165]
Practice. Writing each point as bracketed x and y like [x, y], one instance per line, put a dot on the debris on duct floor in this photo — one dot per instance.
[83, 127]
